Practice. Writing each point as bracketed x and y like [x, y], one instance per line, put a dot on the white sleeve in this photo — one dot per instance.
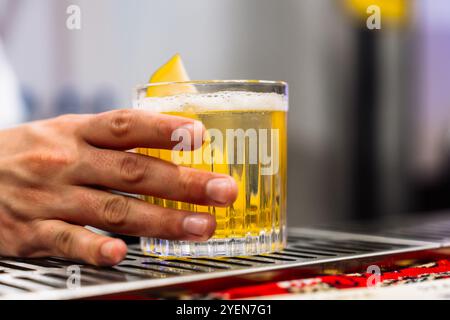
[11, 104]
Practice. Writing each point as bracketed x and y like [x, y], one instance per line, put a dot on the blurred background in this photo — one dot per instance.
[369, 118]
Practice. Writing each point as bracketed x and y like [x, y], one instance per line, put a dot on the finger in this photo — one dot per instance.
[74, 242]
[127, 129]
[126, 215]
[135, 173]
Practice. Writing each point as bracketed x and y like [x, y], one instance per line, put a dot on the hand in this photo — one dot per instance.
[54, 177]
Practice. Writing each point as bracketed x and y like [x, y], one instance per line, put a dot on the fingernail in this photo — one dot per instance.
[195, 130]
[188, 127]
[107, 250]
[193, 127]
[196, 225]
[219, 189]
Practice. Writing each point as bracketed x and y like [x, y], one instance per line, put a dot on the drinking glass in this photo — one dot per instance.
[246, 138]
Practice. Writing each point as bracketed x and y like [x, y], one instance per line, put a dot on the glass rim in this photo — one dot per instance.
[212, 82]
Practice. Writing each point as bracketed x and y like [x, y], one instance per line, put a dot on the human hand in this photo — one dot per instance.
[54, 177]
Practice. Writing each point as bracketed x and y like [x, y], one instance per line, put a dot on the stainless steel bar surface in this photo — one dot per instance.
[54, 278]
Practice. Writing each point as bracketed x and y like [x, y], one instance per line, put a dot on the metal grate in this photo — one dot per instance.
[54, 278]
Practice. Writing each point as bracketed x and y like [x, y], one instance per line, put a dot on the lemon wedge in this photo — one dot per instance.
[172, 71]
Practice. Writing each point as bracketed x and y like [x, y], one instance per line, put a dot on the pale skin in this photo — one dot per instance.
[55, 177]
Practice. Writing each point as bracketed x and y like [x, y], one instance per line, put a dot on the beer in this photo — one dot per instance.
[245, 138]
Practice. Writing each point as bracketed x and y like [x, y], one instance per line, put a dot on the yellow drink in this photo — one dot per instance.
[247, 139]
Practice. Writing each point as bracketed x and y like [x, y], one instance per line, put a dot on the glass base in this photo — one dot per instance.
[216, 247]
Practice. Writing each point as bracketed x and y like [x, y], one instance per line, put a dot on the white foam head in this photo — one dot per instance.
[219, 101]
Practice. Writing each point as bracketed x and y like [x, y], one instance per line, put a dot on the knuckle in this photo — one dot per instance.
[25, 244]
[58, 158]
[116, 210]
[67, 118]
[132, 170]
[163, 127]
[24, 250]
[21, 251]
[188, 181]
[45, 158]
[64, 241]
[122, 122]
[168, 224]
[165, 224]
[38, 196]
[65, 123]
[45, 162]
[157, 225]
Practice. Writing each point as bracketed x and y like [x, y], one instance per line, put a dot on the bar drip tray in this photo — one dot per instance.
[55, 278]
